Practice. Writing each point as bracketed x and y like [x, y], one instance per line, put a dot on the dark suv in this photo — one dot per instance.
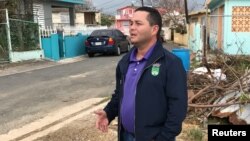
[106, 41]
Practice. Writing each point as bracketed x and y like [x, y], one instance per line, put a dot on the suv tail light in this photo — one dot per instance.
[87, 43]
[111, 41]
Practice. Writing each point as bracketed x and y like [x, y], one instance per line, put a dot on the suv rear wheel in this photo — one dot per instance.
[91, 54]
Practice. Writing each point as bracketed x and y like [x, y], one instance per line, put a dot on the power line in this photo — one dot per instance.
[108, 2]
[110, 12]
[113, 6]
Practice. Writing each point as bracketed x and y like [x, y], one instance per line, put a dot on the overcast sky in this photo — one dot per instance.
[110, 6]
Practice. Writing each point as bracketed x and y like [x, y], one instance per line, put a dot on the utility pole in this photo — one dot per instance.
[186, 11]
[205, 42]
[206, 34]
[142, 4]
[8, 34]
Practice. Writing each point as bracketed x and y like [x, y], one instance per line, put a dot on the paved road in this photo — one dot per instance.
[25, 97]
[30, 95]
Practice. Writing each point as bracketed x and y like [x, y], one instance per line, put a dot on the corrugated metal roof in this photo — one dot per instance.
[237, 113]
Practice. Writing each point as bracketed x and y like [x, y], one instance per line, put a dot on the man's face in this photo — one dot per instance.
[140, 30]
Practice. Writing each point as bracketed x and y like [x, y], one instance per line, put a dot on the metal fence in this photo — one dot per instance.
[47, 32]
[69, 31]
[4, 50]
[17, 35]
[24, 35]
[84, 30]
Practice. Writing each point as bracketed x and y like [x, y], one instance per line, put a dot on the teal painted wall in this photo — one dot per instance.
[195, 41]
[46, 45]
[56, 47]
[213, 30]
[74, 45]
[234, 40]
[51, 47]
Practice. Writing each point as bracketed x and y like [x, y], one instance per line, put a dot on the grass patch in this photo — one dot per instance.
[195, 134]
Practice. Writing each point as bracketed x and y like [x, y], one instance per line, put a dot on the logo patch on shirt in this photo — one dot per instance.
[155, 69]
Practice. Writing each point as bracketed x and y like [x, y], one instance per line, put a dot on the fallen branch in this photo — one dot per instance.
[216, 105]
[198, 94]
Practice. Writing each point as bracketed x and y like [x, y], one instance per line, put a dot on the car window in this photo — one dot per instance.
[116, 33]
[120, 33]
[102, 33]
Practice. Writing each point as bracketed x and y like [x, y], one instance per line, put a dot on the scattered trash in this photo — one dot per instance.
[216, 73]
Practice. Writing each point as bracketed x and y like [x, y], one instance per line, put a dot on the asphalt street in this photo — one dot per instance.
[30, 95]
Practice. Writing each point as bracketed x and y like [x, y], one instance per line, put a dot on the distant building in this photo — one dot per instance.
[61, 17]
[124, 14]
[230, 26]
[42, 10]
[196, 30]
[122, 18]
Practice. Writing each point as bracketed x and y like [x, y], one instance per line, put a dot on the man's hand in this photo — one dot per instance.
[102, 120]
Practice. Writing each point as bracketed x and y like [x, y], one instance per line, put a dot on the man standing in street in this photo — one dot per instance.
[150, 98]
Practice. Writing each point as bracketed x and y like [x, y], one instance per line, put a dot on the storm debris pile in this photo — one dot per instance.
[220, 88]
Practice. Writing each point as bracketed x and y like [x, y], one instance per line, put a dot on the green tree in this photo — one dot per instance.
[107, 20]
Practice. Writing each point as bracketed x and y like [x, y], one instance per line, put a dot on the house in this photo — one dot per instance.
[122, 18]
[174, 25]
[166, 24]
[230, 26]
[24, 41]
[42, 10]
[90, 17]
[179, 31]
[196, 30]
[61, 17]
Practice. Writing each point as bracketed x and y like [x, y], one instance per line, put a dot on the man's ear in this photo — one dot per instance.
[155, 29]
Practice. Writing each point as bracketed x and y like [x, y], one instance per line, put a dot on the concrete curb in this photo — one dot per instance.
[39, 65]
[54, 121]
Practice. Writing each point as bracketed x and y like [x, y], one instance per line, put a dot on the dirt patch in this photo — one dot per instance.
[23, 63]
[84, 130]
[192, 132]
[81, 130]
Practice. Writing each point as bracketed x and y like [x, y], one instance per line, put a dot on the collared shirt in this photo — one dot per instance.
[133, 75]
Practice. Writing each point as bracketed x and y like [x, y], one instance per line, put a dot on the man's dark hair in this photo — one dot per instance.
[154, 18]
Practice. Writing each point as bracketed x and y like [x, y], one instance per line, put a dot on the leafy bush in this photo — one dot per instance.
[24, 35]
[3, 42]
